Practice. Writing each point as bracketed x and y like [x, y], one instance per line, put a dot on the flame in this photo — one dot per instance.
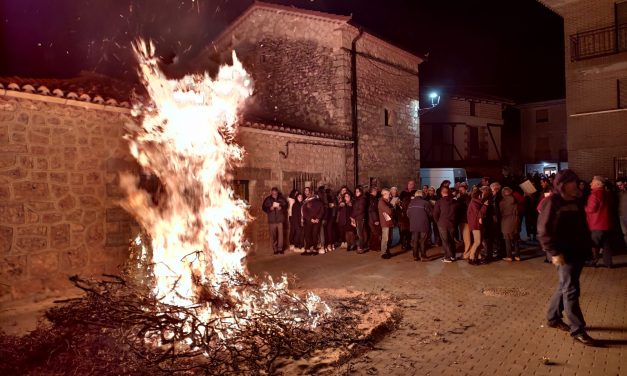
[186, 139]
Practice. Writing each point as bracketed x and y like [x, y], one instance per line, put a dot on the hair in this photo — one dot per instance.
[445, 189]
[507, 191]
[385, 190]
[418, 193]
[598, 178]
[496, 184]
[360, 189]
[274, 189]
[476, 194]
[299, 194]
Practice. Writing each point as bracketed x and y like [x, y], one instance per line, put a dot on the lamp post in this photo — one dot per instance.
[435, 100]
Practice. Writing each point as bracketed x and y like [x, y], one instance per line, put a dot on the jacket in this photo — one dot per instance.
[359, 208]
[476, 211]
[297, 215]
[373, 210]
[598, 211]
[509, 215]
[385, 208]
[563, 230]
[312, 208]
[419, 212]
[444, 213]
[275, 215]
[344, 217]
[462, 208]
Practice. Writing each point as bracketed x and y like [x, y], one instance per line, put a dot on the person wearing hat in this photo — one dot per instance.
[275, 207]
[563, 233]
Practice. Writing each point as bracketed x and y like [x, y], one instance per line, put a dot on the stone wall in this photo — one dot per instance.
[58, 171]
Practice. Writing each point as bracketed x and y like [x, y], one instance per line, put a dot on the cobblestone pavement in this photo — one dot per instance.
[460, 319]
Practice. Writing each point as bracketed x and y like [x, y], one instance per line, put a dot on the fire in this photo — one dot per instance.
[196, 230]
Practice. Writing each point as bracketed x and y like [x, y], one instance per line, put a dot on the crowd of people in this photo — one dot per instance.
[483, 222]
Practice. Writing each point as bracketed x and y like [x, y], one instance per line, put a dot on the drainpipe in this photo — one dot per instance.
[354, 105]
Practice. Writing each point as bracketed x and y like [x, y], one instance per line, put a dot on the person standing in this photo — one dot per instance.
[474, 215]
[274, 206]
[419, 213]
[444, 215]
[296, 224]
[622, 207]
[385, 218]
[463, 200]
[313, 210]
[599, 221]
[291, 199]
[508, 208]
[345, 221]
[358, 215]
[374, 243]
[563, 233]
[403, 220]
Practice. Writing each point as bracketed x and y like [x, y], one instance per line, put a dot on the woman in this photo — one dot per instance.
[345, 222]
[434, 238]
[374, 243]
[475, 214]
[330, 232]
[297, 238]
[509, 224]
[358, 216]
[290, 202]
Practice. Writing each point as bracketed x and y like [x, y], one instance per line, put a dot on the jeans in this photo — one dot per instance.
[385, 235]
[312, 235]
[602, 239]
[276, 234]
[476, 236]
[566, 298]
[511, 247]
[361, 234]
[464, 228]
[448, 242]
[419, 244]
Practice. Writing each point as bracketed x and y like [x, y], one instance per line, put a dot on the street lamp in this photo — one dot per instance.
[435, 99]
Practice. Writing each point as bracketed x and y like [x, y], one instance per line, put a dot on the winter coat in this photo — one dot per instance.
[275, 215]
[476, 211]
[297, 215]
[385, 207]
[598, 210]
[622, 203]
[373, 210]
[359, 208]
[344, 217]
[312, 208]
[563, 230]
[444, 213]
[509, 215]
[419, 212]
[461, 208]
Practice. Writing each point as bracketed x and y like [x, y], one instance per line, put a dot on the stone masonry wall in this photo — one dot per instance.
[58, 171]
[389, 153]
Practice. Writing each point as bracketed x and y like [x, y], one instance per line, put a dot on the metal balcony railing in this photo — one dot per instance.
[599, 42]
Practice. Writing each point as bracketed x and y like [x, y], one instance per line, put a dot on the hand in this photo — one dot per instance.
[376, 223]
[558, 260]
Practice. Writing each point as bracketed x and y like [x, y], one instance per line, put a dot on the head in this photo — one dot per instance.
[495, 187]
[485, 181]
[476, 194]
[621, 186]
[597, 182]
[444, 191]
[463, 188]
[385, 193]
[359, 191]
[347, 197]
[373, 191]
[418, 193]
[425, 189]
[507, 191]
[485, 192]
[274, 192]
[565, 183]
[343, 190]
[411, 185]
[545, 183]
[394, 191]
[431, 191]
[293, 193]
[307, 191]
[299, 197]
[446, 183]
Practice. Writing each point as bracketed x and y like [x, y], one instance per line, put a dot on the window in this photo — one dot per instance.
[542, 116]
[474, 150]
[621, 92]
[473, 108]
[620, 167]
[387, 121]
[240, 189]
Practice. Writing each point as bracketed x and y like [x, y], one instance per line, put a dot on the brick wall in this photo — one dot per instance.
[595, 139]
[58, 171]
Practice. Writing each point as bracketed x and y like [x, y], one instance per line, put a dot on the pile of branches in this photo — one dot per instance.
[119, 328]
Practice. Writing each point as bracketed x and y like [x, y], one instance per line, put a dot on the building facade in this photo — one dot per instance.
[464, 131]
[543, 136]
[595, 33]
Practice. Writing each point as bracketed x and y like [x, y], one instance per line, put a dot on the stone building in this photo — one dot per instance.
[595, 33]
[464, 130]
[333, 105]
[543, 136]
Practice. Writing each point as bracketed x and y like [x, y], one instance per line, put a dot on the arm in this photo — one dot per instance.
[436, 211]
[593, 204]
[545, 227]
[267, 204]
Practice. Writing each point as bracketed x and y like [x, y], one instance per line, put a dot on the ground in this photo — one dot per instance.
[458, 319]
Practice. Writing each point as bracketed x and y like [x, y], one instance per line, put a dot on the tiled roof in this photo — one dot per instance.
[275, 127]
[92, 88]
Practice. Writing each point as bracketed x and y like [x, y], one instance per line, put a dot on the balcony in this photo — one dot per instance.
[599, 42]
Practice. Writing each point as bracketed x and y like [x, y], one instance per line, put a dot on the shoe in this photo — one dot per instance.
[299, 250]
[322, 251]
[447, 260]
[561, 325]
[386, 255]
[517, 258]
[292, 247]
[343, 245]
[471, 262]
[360, 251]
[584, 338]
[453, 259]
[507, 259]
[484, 261]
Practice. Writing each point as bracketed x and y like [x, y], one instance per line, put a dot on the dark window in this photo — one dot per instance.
[473, 109]
[621, 12]
[620, 167]
[621, 91]
[386, 118]
[542, 116]
[240, 189]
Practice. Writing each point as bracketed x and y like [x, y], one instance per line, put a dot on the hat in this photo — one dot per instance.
[563, 177]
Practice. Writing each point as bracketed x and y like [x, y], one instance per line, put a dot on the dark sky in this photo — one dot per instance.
[511, 48]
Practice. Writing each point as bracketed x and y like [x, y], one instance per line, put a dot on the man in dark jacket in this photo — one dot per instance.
[313, 211]
[419, 212]
[274, 206]
[358, 216]
[444, 214]
[374, 243]
[563, 233]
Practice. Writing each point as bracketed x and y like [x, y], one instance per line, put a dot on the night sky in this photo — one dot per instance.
[510, 48]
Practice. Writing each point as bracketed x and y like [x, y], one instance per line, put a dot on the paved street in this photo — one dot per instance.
[450, 327]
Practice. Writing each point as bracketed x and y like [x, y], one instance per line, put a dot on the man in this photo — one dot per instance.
[462, 200]
[403, 221]
[385, 219]
[419, 212]
[274, 206]
[563, 233]
[358, 218]
[313, 210]
[374, 225]
[599, 221]
[497, 235]
[444, 214]
[622, 207]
